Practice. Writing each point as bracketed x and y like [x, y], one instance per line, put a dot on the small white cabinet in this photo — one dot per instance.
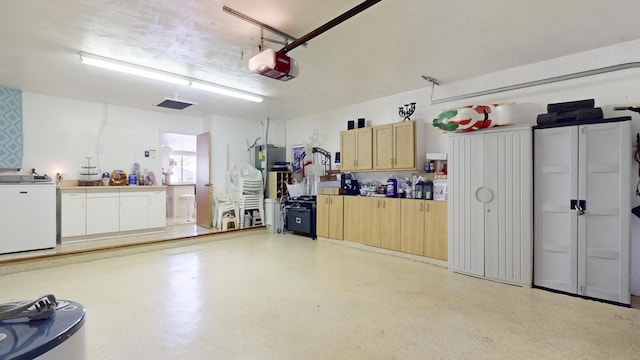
[27, 217]
[490, 204]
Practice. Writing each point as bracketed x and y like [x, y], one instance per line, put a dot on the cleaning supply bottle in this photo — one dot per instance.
[428, 190]
[419, 192]
[392, 187]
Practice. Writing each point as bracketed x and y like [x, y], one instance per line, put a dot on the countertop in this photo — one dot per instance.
[115, 187]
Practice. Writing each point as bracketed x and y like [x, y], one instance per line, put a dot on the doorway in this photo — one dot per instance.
[185, 170]
[179, 154]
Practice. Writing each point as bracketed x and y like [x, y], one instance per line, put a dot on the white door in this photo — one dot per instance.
[555, 243]
[203, 181]
[603, 230]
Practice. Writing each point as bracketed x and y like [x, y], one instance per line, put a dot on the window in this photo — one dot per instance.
[183, 167]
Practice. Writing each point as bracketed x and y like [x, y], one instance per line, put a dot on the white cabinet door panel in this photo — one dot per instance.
[508, 239]
[102, 213]
[157, 209]
[134, 211]
[604, 229]
[556, 165]
[466, 214]
[73, 213]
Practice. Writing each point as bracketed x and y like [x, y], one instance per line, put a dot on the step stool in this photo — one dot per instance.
[228, 222]
[257, 220]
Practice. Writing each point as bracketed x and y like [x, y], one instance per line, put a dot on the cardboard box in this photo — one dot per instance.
[330, 191]
[329, 178]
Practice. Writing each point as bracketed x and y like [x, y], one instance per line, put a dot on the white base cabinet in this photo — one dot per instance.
[95, 211]
[582, 210]
[490, 204]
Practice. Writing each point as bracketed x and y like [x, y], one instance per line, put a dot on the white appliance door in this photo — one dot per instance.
[603, 240]
[555, 229]
[27, 217]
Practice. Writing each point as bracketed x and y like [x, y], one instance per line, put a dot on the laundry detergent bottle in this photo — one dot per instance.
[392, 187]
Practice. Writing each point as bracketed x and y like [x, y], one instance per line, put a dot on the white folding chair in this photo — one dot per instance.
[250, 197]
[223, 204]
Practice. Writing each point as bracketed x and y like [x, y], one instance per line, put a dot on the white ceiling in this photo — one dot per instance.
[382, 51]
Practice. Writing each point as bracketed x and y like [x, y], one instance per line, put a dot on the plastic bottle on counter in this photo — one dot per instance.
[392, 187]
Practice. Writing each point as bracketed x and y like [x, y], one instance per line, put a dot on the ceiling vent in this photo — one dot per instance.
[175, 104]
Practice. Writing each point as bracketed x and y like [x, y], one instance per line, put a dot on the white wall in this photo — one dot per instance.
[609, 90]
[59, 133]
[229, 138]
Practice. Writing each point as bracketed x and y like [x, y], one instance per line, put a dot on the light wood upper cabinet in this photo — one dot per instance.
[355, 149]
[348, 150]
[404, 145]
[383, 147]
[364, 145]
[395, 146]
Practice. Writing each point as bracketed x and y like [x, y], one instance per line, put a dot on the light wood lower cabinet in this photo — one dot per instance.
[412, 229]
[407, 225]
[435, 225]
[329, 218]
[388, 223]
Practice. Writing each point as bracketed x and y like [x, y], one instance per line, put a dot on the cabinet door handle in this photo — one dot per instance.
[378, 203]
[421, 206]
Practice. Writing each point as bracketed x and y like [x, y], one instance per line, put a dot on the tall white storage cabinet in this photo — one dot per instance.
[582, 209]
[490, 209]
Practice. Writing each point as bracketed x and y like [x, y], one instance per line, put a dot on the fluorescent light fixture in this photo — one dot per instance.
[226, 91]
[148, 73]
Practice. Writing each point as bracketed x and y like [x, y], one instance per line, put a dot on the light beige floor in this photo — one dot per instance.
[264, 296]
